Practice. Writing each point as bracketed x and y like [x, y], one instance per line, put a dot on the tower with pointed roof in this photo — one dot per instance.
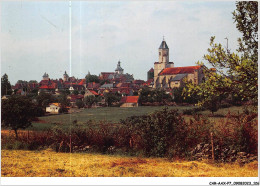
[163, 53]
[45, 76]
[119, 69]
[65, 76]
[163, 60]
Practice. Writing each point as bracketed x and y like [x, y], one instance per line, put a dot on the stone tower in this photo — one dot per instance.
[163, 61]
[119, 69]
[45, 76]
[65, 76]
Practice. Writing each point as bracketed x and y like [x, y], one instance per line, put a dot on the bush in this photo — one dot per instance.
[156, 133]
[239, 132]
[80, 103]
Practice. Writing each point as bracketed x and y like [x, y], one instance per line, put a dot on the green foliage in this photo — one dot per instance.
[236, 73]
[17, 112]
[64, 102]
[102, 82]
[178, 96]
[153, 95]
[90, 100]
[158, 132]
[44, 99]
[246, 18]
[80, 103]
[5, 86]
[92, 78]
[111, 98]
[75, 92]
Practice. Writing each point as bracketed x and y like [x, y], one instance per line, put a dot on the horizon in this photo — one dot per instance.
[36, 36]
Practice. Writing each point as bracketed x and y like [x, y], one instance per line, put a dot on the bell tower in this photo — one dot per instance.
[163, 53]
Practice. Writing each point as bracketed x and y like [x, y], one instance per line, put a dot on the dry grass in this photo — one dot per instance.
[19, 163]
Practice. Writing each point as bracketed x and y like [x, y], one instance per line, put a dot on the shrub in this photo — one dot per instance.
[80, 103]
[239, 132]
[156, 133]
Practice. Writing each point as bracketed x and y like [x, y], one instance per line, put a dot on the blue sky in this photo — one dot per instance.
[35, 35]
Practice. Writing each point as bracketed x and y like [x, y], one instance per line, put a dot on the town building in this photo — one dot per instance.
[167, 76]
[129, 101]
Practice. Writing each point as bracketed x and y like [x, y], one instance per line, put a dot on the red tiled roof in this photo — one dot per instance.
[82, 82]
[138, 81]
[79, 96]
[179, 70]
[104, 75]
[94, 92]
[46, 87]
[93, 85]
[149, 81]
[130, 99]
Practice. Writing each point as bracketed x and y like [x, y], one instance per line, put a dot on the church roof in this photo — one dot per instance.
[179, 77]
[163, 45]
[179, 70]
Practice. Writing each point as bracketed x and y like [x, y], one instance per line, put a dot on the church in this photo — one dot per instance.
[167, 76]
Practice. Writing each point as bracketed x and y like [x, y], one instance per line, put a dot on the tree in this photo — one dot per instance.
[156, 95]
[5, 86]
[44, 99]
[79, 103]
[64, 102]
[82, 92]
[92, 78]
[75, 92]
[111, 98]
[236, 73]
[17, 113]
[90, 100]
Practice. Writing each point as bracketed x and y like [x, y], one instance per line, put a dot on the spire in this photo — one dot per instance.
[163, 45]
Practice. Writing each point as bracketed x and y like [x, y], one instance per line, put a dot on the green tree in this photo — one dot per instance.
[92, 78]
[44, 99]
[153, 95]
[82, 92]
[5, 86]
[75, 92]
[90, 100]
[64, 102]
[17, 113]
[236, 73]
[80, 103]
[111, 98]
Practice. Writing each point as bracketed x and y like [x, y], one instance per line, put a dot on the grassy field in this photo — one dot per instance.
[19, 163]
[111, 114]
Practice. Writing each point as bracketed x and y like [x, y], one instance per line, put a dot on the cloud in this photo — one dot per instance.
[104, 32]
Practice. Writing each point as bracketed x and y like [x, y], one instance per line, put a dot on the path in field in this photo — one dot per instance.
[48, 163]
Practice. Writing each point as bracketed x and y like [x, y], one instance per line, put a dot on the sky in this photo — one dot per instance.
[39, 37]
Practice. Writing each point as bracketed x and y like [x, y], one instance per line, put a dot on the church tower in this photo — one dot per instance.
[119, 69]
[65, 76]
[162, 63]
[164, 53]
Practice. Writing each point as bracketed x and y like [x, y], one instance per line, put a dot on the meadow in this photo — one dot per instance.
[114, 115]
[46, 163]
